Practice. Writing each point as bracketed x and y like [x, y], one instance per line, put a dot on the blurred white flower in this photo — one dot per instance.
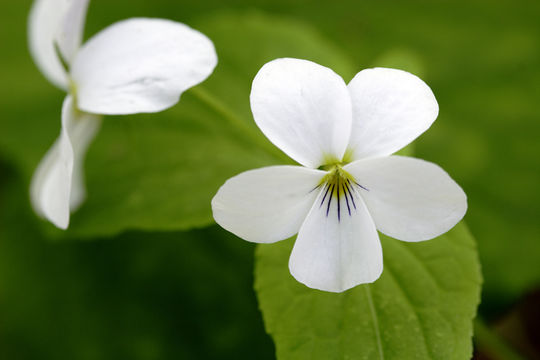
[133, 66]
[349, 185]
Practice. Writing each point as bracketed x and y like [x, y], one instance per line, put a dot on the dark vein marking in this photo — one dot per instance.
[346, 197]
[315, 188]
[363, 187]
[339, 183]
[327, 186]
[351, 193]
[338, 202]
[330, 199]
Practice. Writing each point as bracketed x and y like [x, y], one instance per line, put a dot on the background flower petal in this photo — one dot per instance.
[268, 204]
[336, 254]
[57, 185]
[409, 199]
[51, 23]
[82, 132]
[303, 108]
[140, 65]
[70, 34]
[391, 108]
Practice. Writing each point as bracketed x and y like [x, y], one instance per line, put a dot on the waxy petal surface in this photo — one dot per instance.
[55, 23]
[57, 185]
[391, 108]
[409, 199]
[70, 34]
[304, 109]
[334, 253]
[268, 204]
[140, 65]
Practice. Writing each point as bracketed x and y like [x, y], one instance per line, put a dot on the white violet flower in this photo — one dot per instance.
[349, 185]
[138, 65]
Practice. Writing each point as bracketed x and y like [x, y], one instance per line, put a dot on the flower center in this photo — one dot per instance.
[339, 186]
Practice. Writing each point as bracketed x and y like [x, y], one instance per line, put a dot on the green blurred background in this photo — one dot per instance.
[175, 295]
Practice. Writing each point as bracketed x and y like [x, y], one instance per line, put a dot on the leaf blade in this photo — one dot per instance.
[422, 306]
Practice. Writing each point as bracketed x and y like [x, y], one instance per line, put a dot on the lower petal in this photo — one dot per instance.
[266, 205]
[409, 199]
[81, 133]
[337, 246]
[57, 185]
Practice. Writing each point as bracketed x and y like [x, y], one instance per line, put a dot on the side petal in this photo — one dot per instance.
[337, 252]
[268, 204]
[409, 199]
[69, 36]
[57, 184]
[82, 132]
[304, 109]
[55, 23]
[140, 65]
[391, 108]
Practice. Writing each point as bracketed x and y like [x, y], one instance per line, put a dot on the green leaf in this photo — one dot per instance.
[484, 73]
[160, 171]
[140, 295]
[420, 308]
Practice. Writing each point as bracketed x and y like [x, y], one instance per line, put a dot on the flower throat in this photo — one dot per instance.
[338, 185]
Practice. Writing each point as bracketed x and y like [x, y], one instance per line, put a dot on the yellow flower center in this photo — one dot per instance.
[338, 185]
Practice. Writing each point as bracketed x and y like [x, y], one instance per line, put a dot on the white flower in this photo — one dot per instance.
[349, 185]
[133, 66]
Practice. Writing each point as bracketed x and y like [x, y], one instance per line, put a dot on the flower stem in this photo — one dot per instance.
[238, 123]
[491, 343]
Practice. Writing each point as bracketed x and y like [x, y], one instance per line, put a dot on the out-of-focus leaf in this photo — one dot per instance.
[141, 296]
[160, 171]
[480, 58]
[420, 308]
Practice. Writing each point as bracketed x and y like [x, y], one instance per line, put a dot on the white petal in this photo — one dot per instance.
[409, 199]
[336, 254]
[140, 65]
[57, 184]
[268, 204]
[69, 36]
[304, 109]
[53, 22]
[391, 108]
[81, 133]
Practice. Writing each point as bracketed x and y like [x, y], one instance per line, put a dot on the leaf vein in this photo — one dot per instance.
[375, 321]
[412, 307]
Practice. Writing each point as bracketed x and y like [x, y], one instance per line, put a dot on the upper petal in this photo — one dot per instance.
[57, 183]
[304, 109]
[268, 204]
[69, 36]
[55, 23]
[140, 65]
[391, 108]
[335, 253]
[409, 199]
